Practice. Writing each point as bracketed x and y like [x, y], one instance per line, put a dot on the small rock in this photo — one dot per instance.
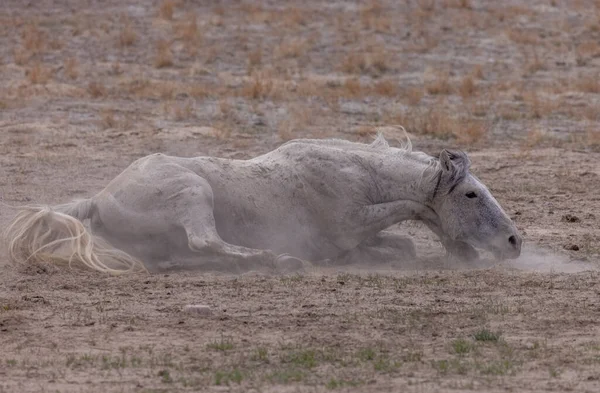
[572, 247]
[529, 345]
[258, 121]
[199, 309]
[570, 218]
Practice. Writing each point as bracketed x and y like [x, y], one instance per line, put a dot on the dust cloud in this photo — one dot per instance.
[542, 260]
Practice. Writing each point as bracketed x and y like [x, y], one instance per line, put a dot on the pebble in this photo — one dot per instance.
[199, 309]
[570, 218]
[529, 345]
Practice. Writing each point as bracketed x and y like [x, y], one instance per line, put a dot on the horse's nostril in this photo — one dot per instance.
[512, 240]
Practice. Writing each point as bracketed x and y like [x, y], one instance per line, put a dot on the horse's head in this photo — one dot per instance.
[467, 210]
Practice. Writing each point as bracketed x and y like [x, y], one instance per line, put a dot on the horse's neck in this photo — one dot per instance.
[401, 177]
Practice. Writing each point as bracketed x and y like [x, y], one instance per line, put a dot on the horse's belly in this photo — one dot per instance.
[292, 234]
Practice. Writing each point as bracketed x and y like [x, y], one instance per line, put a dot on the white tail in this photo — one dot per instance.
[57, 235]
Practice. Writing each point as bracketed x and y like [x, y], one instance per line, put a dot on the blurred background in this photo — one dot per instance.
[178, 75]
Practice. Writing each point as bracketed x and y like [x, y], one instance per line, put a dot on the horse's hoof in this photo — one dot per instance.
[287, 264]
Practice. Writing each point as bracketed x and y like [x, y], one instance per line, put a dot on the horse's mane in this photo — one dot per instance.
[432, 173]
[381, 143]
[406, 147]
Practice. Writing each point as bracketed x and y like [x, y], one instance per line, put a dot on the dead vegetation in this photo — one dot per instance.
[188, 32]
[38, 74]
[374, 62]
[535, 137]
[467, 87]
[21, 56]
[354, 63]
[292, 48]
[478, 72]
[413, 95]
[164, 55]
[71, 67]
[373, 17]
[586, 51]
[533, 64]
[522, 37]
[439, 84]
[33, 38]
[539, 106]
[166, 9]
[438, 122]
[370, 60]
[111, 119]
[179, 110]
[258, 87]
[254, 59]
[296, 119]
[96, 89]
[108, 119]
[387, 88]
[593, 137]
[127, 35]
[588, 83]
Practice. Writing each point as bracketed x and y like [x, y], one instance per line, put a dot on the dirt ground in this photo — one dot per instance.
[87, 87]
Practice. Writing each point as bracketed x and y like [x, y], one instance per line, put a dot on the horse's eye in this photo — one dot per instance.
[471, 194]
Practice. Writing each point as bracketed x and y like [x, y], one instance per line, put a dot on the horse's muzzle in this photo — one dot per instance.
[511, 249]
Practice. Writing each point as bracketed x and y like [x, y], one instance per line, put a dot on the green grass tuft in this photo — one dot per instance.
[225, 377]
[462, 346]
[486, 335]
[221, 345]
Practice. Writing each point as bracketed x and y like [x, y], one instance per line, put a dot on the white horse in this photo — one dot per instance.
[308, 200]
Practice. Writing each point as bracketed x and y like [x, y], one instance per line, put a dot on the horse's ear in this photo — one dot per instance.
[446, 161]
[454, 161]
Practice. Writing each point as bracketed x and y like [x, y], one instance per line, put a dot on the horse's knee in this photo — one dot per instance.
[285, 263]
[203, 244]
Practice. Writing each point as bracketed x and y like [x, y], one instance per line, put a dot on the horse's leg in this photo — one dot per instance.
[458, 249]
[375, 218]
[403, 245]
[381, 216]
[199, 246]
[384, 247]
